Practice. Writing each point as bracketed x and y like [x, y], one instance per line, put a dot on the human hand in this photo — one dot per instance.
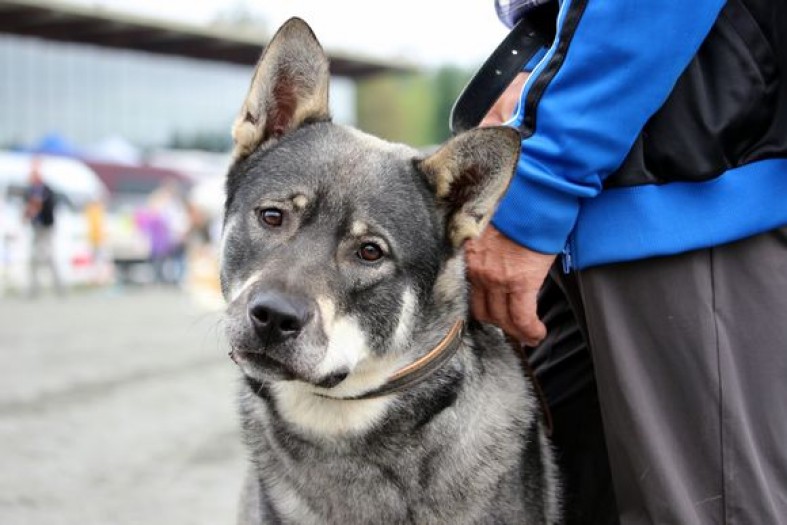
[504, 107]
[505, 279]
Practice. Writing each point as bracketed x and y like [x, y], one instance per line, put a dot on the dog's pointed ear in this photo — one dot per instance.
[469, 174]
[289, 87]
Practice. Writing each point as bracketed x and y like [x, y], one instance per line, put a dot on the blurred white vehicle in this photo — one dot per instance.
[75, 185]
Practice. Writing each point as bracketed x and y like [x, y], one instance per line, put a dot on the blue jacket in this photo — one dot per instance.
[651, 127]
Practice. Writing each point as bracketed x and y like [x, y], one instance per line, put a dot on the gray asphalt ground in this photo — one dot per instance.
[116, 408]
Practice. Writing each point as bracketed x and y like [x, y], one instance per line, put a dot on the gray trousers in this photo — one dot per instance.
[690, 355]
[42, 253]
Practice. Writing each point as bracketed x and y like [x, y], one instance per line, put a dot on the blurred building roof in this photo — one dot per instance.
[53, 20]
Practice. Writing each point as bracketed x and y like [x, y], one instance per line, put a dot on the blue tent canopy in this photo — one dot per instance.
[52, 144]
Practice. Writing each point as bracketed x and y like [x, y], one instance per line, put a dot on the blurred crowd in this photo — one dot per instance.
[67, 224]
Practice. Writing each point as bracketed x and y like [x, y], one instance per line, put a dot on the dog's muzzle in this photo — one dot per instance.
[279, 334]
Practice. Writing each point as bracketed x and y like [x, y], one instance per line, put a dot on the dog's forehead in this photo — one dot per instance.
[359, 141]
[348, 158]
[336, 163]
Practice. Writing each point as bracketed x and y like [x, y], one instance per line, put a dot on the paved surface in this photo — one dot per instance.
[116, 409]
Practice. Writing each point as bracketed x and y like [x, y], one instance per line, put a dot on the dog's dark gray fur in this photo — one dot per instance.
[341, 263]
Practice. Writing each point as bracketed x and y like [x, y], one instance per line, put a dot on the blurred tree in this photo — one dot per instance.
[410, 108]
[397, 108]
[449, 82]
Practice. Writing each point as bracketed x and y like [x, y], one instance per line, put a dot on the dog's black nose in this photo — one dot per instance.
[276, 316]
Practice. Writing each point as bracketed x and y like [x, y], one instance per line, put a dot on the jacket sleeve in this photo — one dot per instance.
[611, 66]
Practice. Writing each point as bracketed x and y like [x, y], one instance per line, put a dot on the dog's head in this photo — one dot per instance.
[340, 248]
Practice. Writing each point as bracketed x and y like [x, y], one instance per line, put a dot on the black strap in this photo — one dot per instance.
[482, 91]
[546, 413]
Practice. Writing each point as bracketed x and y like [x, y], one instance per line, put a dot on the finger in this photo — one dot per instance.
[497, 305]
[524, 316]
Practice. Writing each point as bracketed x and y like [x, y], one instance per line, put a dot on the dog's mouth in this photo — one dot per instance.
[282, 370]
[264, 362]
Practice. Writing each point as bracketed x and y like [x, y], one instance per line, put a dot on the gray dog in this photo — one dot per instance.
[367, 396]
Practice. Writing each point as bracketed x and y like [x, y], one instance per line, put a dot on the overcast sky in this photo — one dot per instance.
[427, 32]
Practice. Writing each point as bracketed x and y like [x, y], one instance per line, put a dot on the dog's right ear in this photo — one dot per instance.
[289, 87]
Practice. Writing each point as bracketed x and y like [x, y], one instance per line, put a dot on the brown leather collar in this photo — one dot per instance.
[419, 369]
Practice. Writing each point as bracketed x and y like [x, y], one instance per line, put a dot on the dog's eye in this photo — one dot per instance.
[370, 252]
[271, 216]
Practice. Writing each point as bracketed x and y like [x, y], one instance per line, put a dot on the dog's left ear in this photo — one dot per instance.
[469, 174]
[289, 87]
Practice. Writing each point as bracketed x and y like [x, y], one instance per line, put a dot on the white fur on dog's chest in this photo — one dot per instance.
[300, 406]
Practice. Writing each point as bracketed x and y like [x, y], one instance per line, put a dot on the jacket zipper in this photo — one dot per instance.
[567, 257]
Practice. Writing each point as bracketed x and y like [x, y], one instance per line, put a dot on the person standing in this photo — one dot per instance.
[39, 212]
[654, 163]
[95, 216]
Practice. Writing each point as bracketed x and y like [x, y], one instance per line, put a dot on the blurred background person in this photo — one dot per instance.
[39, 211]
[95, 216]
[166, 220]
